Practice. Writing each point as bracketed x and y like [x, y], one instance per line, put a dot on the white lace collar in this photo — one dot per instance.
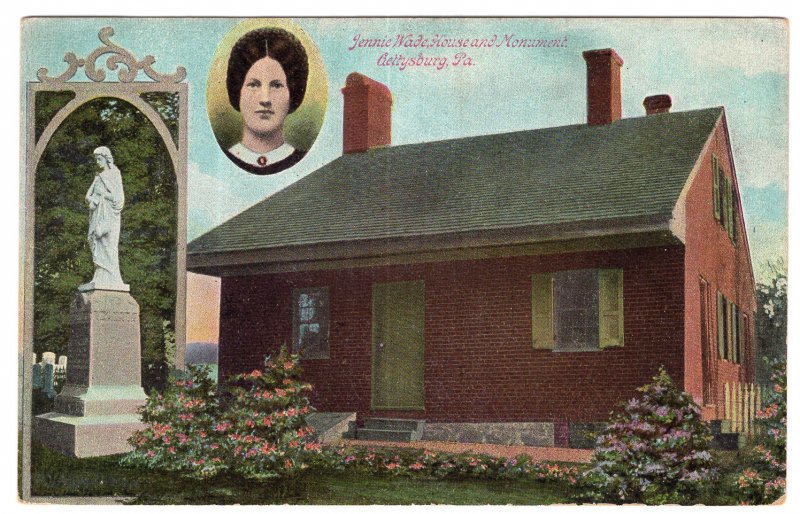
[243, 153]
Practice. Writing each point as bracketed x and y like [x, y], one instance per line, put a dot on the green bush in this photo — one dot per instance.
[654, 451]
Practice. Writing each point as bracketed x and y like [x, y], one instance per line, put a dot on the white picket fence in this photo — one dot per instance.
[48, 371]
[742, 401]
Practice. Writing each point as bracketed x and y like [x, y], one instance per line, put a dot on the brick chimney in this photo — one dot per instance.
[603, 86]
[367, 114]
[657, 104]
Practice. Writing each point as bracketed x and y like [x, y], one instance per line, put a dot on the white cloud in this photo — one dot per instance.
[761, 163]
[751, 45]
[211, 201]
[768, 241]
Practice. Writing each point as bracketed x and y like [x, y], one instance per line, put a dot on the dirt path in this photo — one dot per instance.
[536, 453]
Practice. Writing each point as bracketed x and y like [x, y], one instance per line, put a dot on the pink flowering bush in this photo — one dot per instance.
[264, 424]
[255, 427]
[441, 465]
[655, 451]
[179, 435]
[765, 481]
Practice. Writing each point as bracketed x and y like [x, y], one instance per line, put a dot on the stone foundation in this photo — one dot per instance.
[522, 433]
[584, 434]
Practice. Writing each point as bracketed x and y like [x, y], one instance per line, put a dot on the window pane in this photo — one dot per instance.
[310, 324]
[576, 303]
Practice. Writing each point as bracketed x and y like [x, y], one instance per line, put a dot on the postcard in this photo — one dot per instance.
[403, 261]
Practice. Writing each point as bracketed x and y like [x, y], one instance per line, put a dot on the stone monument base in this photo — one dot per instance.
[100, 400]
[86, 436]
[96, 412]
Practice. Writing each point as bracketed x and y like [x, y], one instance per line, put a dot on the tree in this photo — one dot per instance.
[771, 319]
[149, 221]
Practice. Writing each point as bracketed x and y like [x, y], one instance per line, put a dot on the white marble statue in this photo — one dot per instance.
[106, 199]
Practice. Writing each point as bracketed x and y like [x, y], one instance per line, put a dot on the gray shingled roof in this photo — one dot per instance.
[634, 167]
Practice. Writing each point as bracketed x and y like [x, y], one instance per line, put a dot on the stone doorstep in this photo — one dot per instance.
[329, 427]
[86, 436]
[374, 434]
[390, 429]
[394, 424]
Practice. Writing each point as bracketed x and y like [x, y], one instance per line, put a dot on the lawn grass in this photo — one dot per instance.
[53, 474]
[57, 475]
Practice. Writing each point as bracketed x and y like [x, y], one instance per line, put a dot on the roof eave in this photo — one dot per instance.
[633, 231]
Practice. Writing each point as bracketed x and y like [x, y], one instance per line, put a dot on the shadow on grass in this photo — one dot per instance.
[57, 475]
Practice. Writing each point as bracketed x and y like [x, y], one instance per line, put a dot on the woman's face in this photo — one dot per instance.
[101, 162]
[264, 101]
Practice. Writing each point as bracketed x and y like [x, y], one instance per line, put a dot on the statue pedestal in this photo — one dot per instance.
[96, 412]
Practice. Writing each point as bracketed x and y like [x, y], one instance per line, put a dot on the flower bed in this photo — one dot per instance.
[441, 465]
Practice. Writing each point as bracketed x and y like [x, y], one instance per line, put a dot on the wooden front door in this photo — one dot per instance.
[398, 345]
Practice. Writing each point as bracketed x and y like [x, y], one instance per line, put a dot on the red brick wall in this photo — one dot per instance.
[710, 254]
[480, 365]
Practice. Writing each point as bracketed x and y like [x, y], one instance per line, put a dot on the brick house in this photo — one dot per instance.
[518, 284]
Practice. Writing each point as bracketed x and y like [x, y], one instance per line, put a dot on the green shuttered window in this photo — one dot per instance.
[734, 210]
[725, 199]
[729, 207]
[721, 310]
[728, 329]
[611, 322]
[577, 310]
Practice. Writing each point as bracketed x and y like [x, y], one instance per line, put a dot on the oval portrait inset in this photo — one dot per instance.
[267, 94]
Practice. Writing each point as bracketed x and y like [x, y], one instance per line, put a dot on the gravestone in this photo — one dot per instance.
[37, 380]
[96, 411]
[49, 379]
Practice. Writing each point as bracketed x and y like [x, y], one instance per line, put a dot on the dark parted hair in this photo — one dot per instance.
[284, 47]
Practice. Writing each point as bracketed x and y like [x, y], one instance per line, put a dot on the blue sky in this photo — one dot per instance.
[741, 64]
